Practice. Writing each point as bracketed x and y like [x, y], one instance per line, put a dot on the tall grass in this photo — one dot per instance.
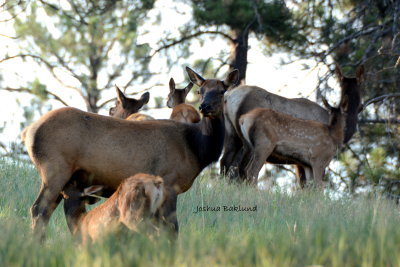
[300, 229]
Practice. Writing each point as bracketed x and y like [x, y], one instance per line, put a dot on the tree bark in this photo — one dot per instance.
[238, 53]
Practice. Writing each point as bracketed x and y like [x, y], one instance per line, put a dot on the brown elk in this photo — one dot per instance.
[137, 198]
[68, 140]
[127, 108]
[310, 144]
[176, 100]
[242, 99]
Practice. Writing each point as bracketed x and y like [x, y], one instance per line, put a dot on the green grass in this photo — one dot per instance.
[301, 229]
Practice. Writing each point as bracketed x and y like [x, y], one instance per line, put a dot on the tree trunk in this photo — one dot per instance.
[93, 91]
[238, 54]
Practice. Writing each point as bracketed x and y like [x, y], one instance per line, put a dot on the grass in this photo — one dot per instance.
[299, 229]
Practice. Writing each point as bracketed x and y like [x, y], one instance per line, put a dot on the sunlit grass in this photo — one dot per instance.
[304, 228]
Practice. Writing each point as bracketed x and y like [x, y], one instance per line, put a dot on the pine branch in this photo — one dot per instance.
[353, 36]
[190, 36]
[381, 121]
[102, 105]
[135, 75]
[26, 90]
[117, 73]
[49, 66]
[379, 98]
[10, 37]
[28, 55]
[13, 16]
[54, 7]
[282, 167]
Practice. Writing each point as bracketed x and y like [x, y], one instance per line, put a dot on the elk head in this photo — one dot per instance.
[177, 96]
[351, 93]
[336, 113]
[212, 91]
[125, 106]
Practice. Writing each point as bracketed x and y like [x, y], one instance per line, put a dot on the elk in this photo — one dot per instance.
[137, 198]
[68, 140]
[127, 108]
[176, 100]
[242, 99]
[310, 144]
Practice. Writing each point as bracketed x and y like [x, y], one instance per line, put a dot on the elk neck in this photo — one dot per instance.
[337, 129]
[206, 139]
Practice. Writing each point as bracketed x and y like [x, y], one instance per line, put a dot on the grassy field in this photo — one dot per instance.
[301, 229]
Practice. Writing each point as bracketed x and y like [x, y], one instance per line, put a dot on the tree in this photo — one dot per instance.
[235, 20]
[94, 42]
[354, 32]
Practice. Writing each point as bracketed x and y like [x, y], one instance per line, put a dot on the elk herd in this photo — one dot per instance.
[142, 164]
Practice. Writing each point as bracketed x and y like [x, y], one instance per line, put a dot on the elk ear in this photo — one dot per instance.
[338, 72]
[145, 98]
[121, 97]
[111, 111]
[360, 74]
[65, 195]
[188, 88]
[92, 190]
[326, 104]
[155, 194]
[344, 107]
[195, 77]
[232, 78]
[171, 84]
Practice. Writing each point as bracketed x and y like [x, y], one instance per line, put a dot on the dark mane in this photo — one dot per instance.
[206, 140]
[352, 90]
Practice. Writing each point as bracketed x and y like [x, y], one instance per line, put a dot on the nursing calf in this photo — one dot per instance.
[137, 198]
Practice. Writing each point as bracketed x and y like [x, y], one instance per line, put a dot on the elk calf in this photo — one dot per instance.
[138, 197]
[244, 98]
[176, 100]
[127, 108]
[308, 143]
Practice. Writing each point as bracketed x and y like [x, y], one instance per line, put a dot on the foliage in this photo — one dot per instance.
[95, 42]
[300, 229]
[272, 19]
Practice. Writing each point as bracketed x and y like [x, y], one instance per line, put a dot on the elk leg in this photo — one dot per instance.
[308, 173]
[169, 213]
[262, 152]
[318, 174]
[301, 176]
[48, 199]
[244, 162]
[232, 146]
[43, 208]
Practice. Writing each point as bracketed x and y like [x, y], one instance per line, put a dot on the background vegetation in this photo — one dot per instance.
[95, 44]
[299, 229]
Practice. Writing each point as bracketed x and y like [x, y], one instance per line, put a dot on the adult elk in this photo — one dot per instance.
[68, 140]
[176, 100]
[137, 198]
[127, 108]
[310, 144]
[242, 99]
